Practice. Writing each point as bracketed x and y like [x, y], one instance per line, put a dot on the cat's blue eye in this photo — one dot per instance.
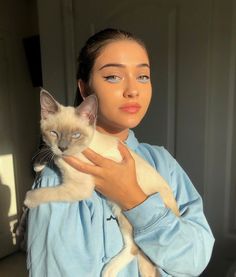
[112, 78]
[144, 78]
[54, 133]
[76, 135]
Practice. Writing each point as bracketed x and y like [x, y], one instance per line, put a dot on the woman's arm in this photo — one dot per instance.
[179, 246]
[185, 243]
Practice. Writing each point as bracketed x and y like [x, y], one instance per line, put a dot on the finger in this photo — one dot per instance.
[81, 166]
[124, 152]
[96, 158]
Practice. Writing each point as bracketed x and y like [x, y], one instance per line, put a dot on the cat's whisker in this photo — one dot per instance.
[41, 151]
[51, 160]
[45, 157]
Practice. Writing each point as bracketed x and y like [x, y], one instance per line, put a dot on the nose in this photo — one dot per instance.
[63, 148]
[131, 89]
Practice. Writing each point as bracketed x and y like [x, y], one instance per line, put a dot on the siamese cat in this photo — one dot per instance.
[69, 131]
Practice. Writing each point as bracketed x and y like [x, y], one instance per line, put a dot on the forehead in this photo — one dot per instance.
[123, 51]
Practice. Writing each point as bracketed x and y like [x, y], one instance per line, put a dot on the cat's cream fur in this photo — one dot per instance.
[78, 186]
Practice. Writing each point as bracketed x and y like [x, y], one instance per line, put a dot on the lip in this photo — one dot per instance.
[130, 108]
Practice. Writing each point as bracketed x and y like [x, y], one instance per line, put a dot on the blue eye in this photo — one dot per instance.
[144, 78]
[76, 135]
[54, 133]
[112, 78]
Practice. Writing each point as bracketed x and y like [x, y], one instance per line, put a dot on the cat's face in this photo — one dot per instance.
[67, 130]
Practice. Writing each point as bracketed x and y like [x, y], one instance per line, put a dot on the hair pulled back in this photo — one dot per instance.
[91, 50]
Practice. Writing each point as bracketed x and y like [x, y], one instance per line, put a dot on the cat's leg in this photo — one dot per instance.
[63, 193]
[146, 267]
[129, 251]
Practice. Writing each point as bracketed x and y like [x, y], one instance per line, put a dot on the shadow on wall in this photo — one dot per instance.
[6, 237]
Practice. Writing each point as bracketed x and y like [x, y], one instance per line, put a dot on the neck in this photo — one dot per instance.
[120, 134]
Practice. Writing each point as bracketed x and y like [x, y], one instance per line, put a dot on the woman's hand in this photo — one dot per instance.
[116, 181]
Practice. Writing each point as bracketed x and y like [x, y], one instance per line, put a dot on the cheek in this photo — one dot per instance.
[107, 108]
[149, 93]
[146, 99]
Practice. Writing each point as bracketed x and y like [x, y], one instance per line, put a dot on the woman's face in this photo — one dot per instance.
[121, 80]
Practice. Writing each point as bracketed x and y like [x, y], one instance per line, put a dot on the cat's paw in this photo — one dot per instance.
[39, 167]
[30, 200]
[109, 271]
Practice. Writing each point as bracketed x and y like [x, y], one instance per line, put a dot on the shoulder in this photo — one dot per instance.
[157, 156]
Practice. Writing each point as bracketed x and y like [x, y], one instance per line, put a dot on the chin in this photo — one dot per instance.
[131, 125]
[133, 121]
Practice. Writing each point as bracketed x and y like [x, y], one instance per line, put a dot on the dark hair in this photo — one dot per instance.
[92, 49]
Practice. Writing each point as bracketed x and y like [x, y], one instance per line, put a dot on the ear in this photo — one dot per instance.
[82, 88]
[88, 109]
[48, 104]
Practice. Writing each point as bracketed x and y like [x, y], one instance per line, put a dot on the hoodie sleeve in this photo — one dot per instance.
[179, 246]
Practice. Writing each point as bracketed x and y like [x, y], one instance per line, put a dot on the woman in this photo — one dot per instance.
[79, 239]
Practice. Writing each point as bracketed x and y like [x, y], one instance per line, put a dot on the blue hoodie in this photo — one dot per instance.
[78, 239]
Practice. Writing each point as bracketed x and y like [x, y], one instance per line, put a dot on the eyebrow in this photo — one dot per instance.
[122, 65]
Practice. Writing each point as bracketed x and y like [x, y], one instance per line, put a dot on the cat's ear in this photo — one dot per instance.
[48, 104]
[88, 109]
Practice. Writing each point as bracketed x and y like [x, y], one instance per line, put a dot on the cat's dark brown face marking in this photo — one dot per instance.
[64, 137]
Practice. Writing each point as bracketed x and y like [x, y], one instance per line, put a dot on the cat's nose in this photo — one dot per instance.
[63, 148]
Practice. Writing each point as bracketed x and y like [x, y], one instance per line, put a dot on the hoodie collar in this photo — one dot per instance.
[132, 141]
